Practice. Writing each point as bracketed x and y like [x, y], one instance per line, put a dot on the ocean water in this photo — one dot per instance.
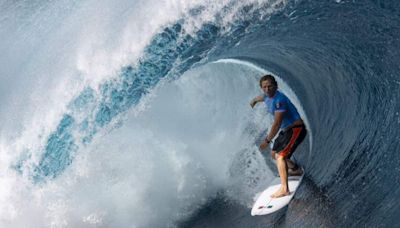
[136, 113]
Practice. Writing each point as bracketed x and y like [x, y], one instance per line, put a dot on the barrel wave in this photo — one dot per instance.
[136, 113]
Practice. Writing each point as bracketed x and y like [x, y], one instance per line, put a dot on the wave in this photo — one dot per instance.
[127, 114]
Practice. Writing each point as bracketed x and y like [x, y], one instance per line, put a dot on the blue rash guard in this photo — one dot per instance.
[281, 103]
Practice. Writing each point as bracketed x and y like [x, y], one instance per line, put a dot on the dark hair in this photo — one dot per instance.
[270, 78]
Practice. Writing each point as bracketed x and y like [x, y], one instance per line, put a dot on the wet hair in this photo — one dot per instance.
[270, 78]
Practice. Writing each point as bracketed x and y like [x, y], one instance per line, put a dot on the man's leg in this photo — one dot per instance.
[293, 168]
[291, 164]
[282, 169]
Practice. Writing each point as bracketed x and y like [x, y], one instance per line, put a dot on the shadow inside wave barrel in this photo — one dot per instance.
[309, 208]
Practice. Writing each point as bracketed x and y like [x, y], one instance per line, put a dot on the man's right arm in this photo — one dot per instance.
[256, 100]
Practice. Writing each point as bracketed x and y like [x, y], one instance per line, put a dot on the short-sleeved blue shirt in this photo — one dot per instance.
[281, 103]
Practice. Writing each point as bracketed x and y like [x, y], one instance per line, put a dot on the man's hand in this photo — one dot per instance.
[263, 145]
[253, 103]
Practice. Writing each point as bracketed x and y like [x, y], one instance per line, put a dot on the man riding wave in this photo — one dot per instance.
[292, 131]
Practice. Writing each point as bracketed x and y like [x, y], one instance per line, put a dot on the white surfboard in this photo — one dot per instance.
[266, 205]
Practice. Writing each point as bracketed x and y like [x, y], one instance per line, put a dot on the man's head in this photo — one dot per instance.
[269, 85]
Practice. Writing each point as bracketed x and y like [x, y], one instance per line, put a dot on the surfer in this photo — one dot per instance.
[291, 126]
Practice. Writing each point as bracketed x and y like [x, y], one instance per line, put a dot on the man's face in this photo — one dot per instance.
[268, 88]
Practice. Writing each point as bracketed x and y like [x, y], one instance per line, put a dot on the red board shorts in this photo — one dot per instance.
[288, 140]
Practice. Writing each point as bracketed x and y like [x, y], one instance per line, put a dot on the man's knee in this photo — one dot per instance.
[279, 157]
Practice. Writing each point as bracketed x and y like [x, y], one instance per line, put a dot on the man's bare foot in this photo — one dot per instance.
[280, 193]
